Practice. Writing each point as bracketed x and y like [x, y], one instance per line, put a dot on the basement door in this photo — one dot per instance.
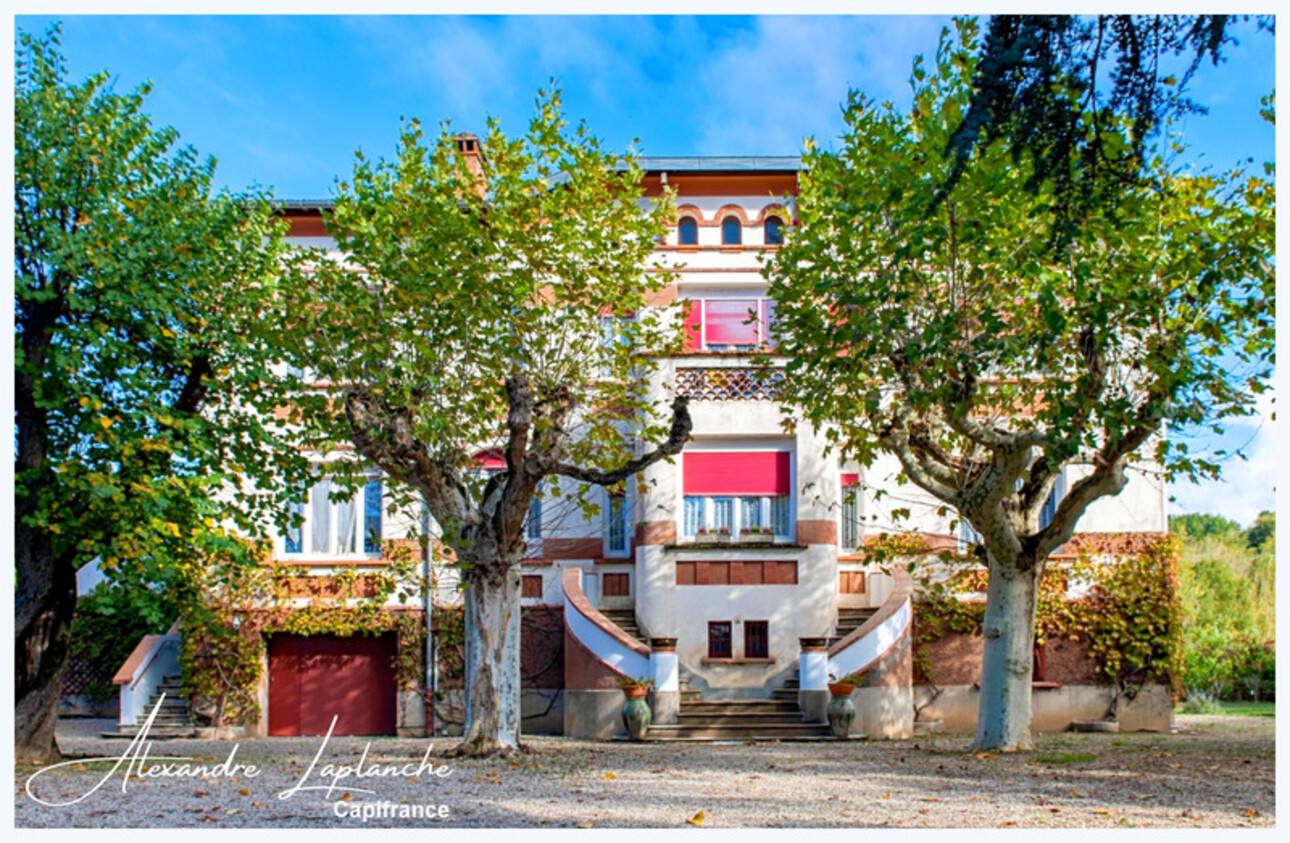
[313, 678]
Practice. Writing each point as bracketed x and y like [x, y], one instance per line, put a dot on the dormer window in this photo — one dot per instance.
[687, 232]
[732, 231]
[774, 229]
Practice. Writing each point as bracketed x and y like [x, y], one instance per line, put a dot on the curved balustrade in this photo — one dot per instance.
[875, 638]
[601, 636]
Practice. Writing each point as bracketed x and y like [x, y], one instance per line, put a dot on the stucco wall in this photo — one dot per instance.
[1053, 709]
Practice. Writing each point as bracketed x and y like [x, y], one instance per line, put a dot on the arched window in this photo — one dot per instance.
[774, 231]
[687, 231]
[732, 231]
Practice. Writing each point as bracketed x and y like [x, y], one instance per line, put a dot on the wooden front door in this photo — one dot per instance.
[315, 677]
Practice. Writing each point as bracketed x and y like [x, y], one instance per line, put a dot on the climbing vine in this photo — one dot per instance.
[1126, 610]
[234, 603]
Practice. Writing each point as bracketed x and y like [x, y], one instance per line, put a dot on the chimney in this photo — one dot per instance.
[468, 146]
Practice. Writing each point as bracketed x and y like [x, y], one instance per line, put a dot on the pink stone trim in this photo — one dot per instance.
[137, 655]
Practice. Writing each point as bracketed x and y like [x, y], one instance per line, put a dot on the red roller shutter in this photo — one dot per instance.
[737, 473]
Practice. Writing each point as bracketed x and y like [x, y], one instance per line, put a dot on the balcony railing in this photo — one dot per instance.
[729, 384]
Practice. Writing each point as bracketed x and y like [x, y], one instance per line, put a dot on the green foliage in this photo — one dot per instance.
[458, 277]
[1199, 702]
[112, 618]
[1131, 618]
[1263, 535]
[1200, 525]
[142, 353]
[941, 330]
[1228, 586]
[1041, 83]
[231, 604]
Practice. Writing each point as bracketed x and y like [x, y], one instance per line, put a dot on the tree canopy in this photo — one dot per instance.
[488, 307]
[143, 392]
[939, 326]
[1084, 97]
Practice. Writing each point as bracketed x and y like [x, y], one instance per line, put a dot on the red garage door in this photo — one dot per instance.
[313, 678]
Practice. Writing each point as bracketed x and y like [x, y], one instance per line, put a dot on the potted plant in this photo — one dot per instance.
[750, 535]
[636, 713]
[768, 534]
[723, 535]
[705, 536]
[841, 711]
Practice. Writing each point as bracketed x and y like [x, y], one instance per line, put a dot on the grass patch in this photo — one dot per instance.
[1065, 758]
[1240, 708]
[1249, 709]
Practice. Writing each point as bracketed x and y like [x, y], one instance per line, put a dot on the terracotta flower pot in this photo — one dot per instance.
[634, 691]
[841, 689]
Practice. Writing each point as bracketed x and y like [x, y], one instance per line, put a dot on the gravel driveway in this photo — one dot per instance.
[1215, 772]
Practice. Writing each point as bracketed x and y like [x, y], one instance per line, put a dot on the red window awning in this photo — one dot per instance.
[849, 480]
[737, 473]
[491, 459]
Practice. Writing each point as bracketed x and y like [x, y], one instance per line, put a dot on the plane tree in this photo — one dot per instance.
[143, 395]
[941, 327]
[486, 304]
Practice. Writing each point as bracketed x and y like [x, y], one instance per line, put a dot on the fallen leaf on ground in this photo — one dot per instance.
[697, 819]
[586, 824]
[610, 776]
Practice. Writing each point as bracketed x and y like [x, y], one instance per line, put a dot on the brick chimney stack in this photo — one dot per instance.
[468, 146]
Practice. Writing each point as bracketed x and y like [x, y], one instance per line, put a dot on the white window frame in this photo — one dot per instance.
[766, 514]
[852, 514]
[358, 501]
[625, 523]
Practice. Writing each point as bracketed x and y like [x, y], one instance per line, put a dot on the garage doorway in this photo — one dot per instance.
[315, 677]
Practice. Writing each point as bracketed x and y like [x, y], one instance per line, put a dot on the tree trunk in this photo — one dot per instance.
[1003, 722]
[492, 659]
[45, 605]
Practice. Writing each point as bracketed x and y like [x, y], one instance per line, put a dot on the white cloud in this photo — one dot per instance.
[788, 78]
[1247, 486]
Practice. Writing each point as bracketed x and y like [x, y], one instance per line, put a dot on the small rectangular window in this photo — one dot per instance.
[531, 585]
[533, 524]
[294, 542]
[850, 518]
[719, 640]
[616, 543]
[756, 639]
[616, 585]
[851, 582]
[372, 517]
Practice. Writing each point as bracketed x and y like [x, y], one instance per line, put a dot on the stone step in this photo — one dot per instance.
[624, 619]
[157, 731]
[757, 707]
[756, 722]
[737, 732]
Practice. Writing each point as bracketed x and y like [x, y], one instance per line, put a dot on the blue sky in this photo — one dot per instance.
[285, 101]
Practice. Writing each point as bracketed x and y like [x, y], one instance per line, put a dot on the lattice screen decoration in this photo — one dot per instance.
[729, 384]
